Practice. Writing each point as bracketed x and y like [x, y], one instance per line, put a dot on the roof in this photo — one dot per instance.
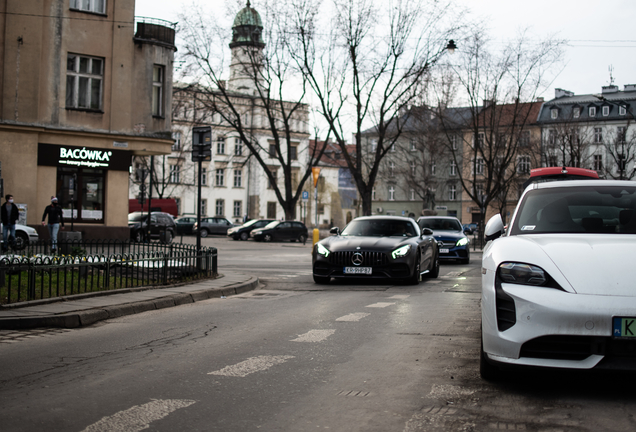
[333, 154]
[248, 16]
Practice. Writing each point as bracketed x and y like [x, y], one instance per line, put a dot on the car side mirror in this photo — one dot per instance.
[494, 228]
[335, 231]
[426, 231]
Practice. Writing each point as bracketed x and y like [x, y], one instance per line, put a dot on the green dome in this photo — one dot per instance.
[247, 29]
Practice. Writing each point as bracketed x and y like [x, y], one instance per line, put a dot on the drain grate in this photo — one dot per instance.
[441, 410]
[354, 393]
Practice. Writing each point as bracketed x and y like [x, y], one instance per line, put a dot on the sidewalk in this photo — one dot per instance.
[86, 309]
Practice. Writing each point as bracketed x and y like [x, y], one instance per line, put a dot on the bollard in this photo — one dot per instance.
[316, 236]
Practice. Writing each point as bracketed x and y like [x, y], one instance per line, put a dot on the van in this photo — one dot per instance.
[166, 205]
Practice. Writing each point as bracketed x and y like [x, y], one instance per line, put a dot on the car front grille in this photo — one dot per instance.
[369, 259]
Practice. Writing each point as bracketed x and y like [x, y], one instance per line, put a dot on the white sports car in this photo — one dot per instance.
[559, 282]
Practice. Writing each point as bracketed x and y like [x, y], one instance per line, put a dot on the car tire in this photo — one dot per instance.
[168, 237]
[235, 237]
[434, 273]
[415, 278]
[244, 236]
[139, 236]
[21, 241]
[267, 237]
[321, 280]
[487, 370]
[302, 238]
[204, 233]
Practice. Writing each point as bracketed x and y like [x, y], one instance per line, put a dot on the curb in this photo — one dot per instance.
[91, 316]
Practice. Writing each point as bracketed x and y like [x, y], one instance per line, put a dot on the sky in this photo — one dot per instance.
[599, 33]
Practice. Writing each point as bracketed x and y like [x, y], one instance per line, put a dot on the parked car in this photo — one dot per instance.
[243, 232]
[448, 231]
[370, 247]
[281, 231]
[213, 225]
[471, 228]
[23, 236]
[185, 224]
[162, 226]
[558, 281]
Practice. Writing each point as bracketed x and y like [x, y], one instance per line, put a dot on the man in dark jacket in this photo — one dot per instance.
[56, 218]
[9, 214]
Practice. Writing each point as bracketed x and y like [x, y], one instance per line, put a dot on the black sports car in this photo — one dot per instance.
[377, 247]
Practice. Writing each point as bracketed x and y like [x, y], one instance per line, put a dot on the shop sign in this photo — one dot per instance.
[83, 157]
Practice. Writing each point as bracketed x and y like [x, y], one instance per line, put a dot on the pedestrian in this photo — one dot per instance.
[56, 221]
[9, 215]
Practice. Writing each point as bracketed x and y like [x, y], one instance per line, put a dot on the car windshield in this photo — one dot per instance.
[441, 224]
[137, 217]
[271, 225]
[250, 223]
[584, 209]
[380, 228]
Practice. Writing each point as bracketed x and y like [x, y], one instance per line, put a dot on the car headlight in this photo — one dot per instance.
[462, 242]
[522, 274]
[322, 250]
[257, 232]
[231, 231]
[401, 251]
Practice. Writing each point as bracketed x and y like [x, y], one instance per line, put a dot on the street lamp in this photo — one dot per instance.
[451, 47]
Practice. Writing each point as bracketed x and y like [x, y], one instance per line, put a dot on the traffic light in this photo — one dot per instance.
[201, 143]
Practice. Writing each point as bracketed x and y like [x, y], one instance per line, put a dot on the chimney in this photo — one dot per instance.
[609, 89]
[561, 93]
[630, 87]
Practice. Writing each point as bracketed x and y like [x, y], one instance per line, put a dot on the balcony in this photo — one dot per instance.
[155, 31]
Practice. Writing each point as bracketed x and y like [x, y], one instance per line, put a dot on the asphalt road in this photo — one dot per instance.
[295, 356]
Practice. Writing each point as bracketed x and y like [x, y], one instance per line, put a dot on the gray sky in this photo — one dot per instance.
[600, 33]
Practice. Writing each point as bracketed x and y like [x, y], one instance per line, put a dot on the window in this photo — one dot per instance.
[433, 167]
[391, 193]
[175, 173]
[412, 144]
[479, 140]
[524, 139]
[598, 163]
[453, 168]
[220, 176]
[576, 112]
[554, 113]
[621, 134]
[392, 148]
[391, 169]
[270, 184]
[238, 177]
[413, 168]
[177, 200]
[622, 110]
[204, 207]
[238, 147]
[454, 140]
[293, 152]
[219, 208]
[204, 176]
[220, 145]
[523, 164]
[176, 136]
[592, 112]
[271, 210]
[272, 150]
[552, 137]
[479, 166]
[84, 76]
[479, 192]
[598, 135]
[374, 145]
[88, 201]
[412, 194]
[238, 209]
[606, 111]
[373, 194]
[452, 193]
[157, 91]
[97, 6]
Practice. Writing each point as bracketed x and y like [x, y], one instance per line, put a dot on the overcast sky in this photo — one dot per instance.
[600, 33]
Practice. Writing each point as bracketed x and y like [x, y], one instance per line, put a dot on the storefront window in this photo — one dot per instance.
[87, 202]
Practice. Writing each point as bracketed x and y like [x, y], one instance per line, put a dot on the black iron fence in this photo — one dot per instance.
[90, 266]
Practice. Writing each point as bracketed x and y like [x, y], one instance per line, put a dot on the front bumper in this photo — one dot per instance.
[454, 252]
[382, 265]
[554, 328]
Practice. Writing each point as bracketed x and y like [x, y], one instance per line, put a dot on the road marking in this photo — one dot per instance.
[400, 296]
[314, 336]
[251, 365]
[381, 305]
[354, 317]
[139, 417]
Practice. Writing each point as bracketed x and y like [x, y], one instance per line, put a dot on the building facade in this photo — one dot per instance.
[82, 90]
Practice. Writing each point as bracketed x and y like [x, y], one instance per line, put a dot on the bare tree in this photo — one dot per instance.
[368, 63]
[621, 149]
[265, 94]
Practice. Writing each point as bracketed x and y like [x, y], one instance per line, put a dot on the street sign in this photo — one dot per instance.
[201, 143]
[305, 196]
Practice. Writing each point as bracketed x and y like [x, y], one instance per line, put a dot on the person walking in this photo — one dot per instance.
[9, 214]
[56, 221]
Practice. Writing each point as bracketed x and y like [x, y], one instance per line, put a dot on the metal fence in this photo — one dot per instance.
[93, 266]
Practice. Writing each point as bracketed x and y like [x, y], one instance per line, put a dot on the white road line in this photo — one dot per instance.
[354, 317]
[400, 296]
[139, 417]
[251, 365]
[381, 305]
[314, 336]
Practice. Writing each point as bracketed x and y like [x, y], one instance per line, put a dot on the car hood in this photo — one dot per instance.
[346, 243]
[591, 264]
[448, 235]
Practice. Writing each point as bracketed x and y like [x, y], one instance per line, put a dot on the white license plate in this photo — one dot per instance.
[444, 250]
[357, 270]
[624, 327]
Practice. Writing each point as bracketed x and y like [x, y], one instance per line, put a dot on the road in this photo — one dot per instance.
[295, 356]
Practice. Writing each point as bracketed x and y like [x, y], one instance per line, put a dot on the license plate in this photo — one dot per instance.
[357, 270]
[624, 327]
[444, 250]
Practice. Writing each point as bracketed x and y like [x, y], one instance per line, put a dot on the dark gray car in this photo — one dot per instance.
[213, 225]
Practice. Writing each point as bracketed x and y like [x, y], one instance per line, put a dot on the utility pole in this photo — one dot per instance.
[201, 151]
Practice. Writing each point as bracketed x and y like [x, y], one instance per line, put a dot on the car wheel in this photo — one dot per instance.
[169, 236]
[434, 273]
[302, 238]
[267, 237]
[488, 371]
[139, 237]
[415, 278]
[244, 236]
[21, 241]
[204, 233]
[321, 280]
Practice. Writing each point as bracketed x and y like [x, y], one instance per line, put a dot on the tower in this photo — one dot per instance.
[247, 50]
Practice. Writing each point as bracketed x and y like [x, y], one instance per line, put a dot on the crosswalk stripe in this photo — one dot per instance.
[314, 336]
[354, 317]
[251, 365]
[380, 305]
